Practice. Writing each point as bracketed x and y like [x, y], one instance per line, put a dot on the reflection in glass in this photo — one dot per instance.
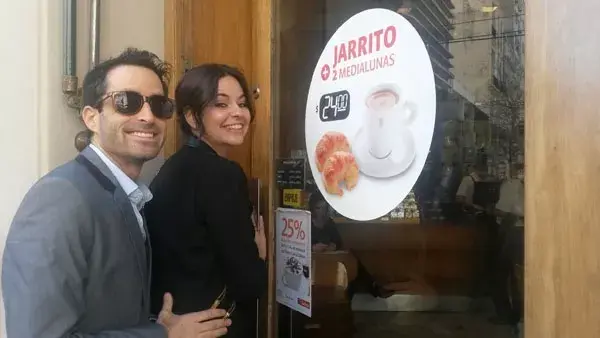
[452, 246]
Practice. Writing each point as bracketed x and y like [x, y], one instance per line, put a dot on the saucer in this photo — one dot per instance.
[398, 161]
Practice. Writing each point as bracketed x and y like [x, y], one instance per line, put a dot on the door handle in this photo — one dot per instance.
[256, 92]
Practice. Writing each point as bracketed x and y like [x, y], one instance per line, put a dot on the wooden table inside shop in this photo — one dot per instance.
[423, 257]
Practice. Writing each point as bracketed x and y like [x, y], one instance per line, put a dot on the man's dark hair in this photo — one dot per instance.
[199, 87]
[94, 83]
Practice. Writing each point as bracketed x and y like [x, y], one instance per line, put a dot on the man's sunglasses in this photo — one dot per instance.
[130, 103]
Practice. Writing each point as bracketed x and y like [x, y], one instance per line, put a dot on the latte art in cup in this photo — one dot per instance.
[387, 111]
[382, 100]
[383, 105]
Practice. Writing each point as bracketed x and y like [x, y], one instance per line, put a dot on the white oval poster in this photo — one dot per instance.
[370, 114]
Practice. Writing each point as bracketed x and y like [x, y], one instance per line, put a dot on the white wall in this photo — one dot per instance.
[37, 129]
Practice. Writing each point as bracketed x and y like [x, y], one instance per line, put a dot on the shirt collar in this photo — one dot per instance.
[130, 187]
[195, 142]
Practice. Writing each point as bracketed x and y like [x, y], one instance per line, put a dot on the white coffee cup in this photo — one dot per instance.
[387, 113]
[292, 280]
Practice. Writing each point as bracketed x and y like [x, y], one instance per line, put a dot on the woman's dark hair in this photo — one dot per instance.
[314, 199]
[199, 87]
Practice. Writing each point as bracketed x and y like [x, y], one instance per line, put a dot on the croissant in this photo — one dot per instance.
[340, 167]
[330, 142]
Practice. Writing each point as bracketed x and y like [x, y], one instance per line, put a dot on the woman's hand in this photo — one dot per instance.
[322, 247]
[319, 247]
[259, 237]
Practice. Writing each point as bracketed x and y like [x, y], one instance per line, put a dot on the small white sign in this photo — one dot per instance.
[370, 114]
[293, 259]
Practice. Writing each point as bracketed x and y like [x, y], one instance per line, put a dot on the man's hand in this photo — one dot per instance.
[260, 238]
[203, 324]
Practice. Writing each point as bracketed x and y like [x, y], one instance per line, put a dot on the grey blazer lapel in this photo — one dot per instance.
[102, 173]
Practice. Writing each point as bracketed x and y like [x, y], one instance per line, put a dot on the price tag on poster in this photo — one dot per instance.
[370, 114]
[293, 259]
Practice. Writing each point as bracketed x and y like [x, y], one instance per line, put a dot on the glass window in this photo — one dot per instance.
[448, 259]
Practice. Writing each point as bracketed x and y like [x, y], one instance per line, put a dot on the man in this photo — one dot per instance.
[326, 238]
[466, 189]
[77, 257]
[510, 211]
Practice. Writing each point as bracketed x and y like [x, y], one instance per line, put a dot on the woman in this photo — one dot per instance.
[203, 240]
[325, 237]
[324, 234]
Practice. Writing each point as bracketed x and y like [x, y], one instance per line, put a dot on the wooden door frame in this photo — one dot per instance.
[173, 54]
[562, 115]
[262, 136]
[177, 47]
